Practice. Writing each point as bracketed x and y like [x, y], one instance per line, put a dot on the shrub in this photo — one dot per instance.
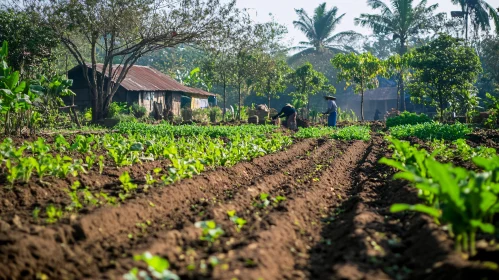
[215, 114]
[117, 108]
[138, 111]
[407, 118]
[200, 115]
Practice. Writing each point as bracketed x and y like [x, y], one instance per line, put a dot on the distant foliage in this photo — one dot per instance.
[407, 118]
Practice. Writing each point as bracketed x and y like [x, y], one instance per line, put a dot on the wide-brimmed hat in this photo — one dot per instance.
[329, 97]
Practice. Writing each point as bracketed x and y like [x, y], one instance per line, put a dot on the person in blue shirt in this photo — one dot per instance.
[331, 110]
[289, 112]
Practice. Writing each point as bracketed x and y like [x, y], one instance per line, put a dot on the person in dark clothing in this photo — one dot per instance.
[289, 112]
[376, 115]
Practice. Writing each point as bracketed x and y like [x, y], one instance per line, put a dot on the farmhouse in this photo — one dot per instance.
[145, 86]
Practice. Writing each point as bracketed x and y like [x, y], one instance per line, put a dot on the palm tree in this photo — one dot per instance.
[480, 11]
[401, 19]
[319, 31]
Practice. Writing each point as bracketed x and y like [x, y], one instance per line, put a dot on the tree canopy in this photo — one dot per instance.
[319, 31]
[444, 73]
[359, 71]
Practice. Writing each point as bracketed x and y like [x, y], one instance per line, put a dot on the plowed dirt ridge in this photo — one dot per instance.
[327, 228]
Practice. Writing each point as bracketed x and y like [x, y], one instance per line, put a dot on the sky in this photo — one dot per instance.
[284, 12]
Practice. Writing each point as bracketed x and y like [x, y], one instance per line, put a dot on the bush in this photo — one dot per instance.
[215, 114]
[138, 111]
[117, 108]
[200, 115]
[431, 130]
[407, 118]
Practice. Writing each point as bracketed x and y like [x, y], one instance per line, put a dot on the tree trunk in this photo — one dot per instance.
[441, 102]
[401, 77]
[269, 106]
[466, 19]
[362, 104]
[239, 109]
[225, 99]
[269, 94]
[402, 93]
[398, 94]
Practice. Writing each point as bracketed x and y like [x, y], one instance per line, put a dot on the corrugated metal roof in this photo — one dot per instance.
[144, 78]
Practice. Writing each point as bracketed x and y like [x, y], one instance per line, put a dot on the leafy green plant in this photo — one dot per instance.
[101, 164]
[60, 144]
[127, 185]
[73, 194]
[53, 214]
[211, 231]
[462, 199]
[429, 131]
[239, 222]
[157, 269]
[407, 118]
[265, 200]
[125, 153]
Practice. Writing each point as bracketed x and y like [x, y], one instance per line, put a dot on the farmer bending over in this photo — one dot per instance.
[290, 113]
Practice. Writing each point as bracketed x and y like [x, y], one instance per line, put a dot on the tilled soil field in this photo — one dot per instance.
[334, 224]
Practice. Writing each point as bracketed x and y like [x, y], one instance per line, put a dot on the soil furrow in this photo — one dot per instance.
[112, 225]
[281, 251]
[163, 242]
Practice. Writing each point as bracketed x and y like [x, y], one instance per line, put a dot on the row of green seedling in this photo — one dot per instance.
[464, 200]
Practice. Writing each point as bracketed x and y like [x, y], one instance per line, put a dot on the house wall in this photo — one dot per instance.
[147, 100]
[199, 103]
[173, 100]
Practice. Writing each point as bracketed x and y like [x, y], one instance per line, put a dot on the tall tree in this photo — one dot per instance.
[307, 82]
[402, 19]
[271, 77]
[122, 31]
[31, 42]
[319, 31]
[359, 71]
[479, 12]
[445, 72]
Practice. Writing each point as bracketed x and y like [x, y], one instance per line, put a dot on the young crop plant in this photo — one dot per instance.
[407, 118]
[83, 144]
[101, 164]
[73, 194]
[265, 200]
[464, 200]
[157, 269]
[239, 222]
[125, 153]
[60, 144]
[353, 133]
[433, 130]
[127, 185]
[90, 160]
[53, 214]
[210, 231]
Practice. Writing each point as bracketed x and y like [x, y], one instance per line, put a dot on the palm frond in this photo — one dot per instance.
[342, 36]
[379, 4]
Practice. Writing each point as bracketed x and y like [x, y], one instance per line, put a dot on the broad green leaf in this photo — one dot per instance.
[395, 208]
